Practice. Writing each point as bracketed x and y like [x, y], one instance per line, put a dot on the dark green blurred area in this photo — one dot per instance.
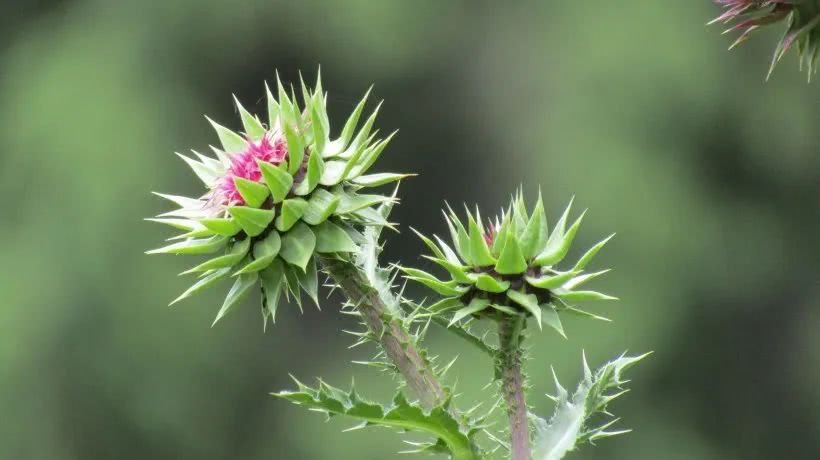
[709, 176]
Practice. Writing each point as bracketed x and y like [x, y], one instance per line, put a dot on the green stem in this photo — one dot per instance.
[388, 331]
[512, 385]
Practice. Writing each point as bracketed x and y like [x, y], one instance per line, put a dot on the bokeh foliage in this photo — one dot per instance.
[709, 176]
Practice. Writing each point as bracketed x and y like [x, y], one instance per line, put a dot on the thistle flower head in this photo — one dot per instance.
[802, 16]
[509, 267]
[277, 195]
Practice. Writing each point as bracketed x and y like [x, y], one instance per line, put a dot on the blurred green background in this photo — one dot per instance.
[709, 176]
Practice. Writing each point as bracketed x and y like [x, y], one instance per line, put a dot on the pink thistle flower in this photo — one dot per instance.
[752, 15]
[489, 236]
[802, 17]
[271, 148]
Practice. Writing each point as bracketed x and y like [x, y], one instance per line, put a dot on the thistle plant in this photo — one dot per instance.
[801, 16]
[279, 196]
[285, 199]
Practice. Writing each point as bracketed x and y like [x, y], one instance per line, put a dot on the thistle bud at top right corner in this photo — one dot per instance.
[512, 265]
[802, 32]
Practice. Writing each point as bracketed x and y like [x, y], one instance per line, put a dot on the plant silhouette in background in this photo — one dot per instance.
[803, 30]
[285, 201]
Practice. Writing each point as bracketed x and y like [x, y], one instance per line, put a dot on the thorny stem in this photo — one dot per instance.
[390, 333]
[509, 333]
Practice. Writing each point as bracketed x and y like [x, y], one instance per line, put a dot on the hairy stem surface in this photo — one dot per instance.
[388, 330]
[512, 385]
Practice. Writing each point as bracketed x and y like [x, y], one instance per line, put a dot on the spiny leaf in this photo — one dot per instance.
[319, 133]
[511, 261]
[292, 282]
[331, 238]
[374, 180]
[528, 301]
[459, 236]
[401, 415]
[277, 178]
[570, 424]
[476, 305]
[315, 169]
[333, 173]
[579, 280]
[272, 280]
[479, 251]
[456, 271]
[560, 226]
[534, 238]
[502, 229]
[208, 175]
[505, 309]
[252, 192]
[234, 255]
[558, 247]
[253, 128]
[581, 313]
[206, 281]
[587, 257]
[181, 201]
[352, 121]
[291, 211]
[309, 280]
[449, 254]
[351, 202]
[264, 252]
[320, 206]
[213, 163]
[288, 113]
[222, 226]
[273, 108]
[445, 304]
[231, 142]
[363, 135]
[550, 282]
[223, 157]
[296, 149]
[239, 289]
[298, 245]
[578, 296]
[488, 283]
[549, 316]
[445, 288]
[519, 214]
[193, 246]
[430, 244]
[367, 260]
[369, 157]
[253, 221]
[180, 224]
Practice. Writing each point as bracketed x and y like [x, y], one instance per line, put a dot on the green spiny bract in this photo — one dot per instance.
[573, 421]
[509, 267]
[279, 194]
[802, 16]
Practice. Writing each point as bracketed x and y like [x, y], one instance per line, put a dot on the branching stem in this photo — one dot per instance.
[512, 385]
[388, 330]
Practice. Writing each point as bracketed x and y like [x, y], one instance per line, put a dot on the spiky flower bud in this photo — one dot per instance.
[509, 267]
[278, 194]
[802, 16]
